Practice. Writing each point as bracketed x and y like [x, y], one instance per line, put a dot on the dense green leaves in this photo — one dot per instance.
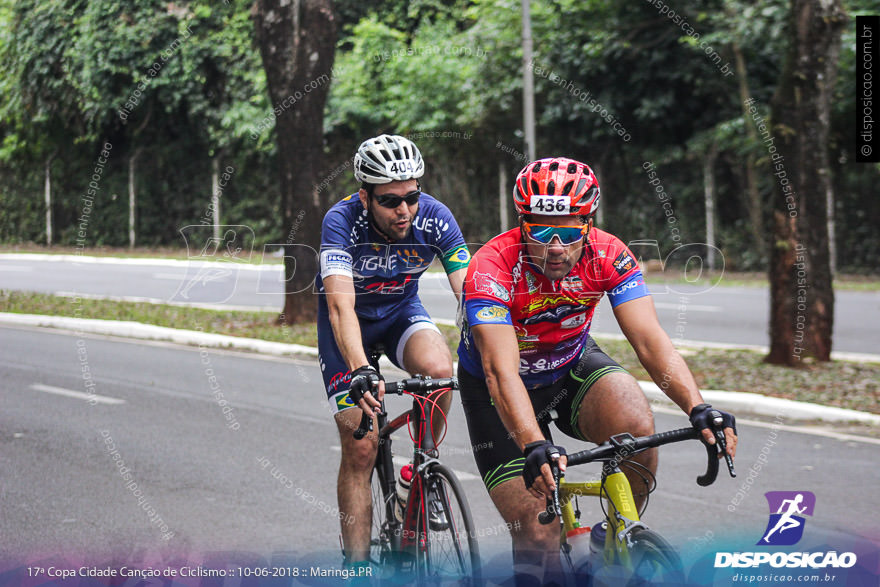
[618, 84]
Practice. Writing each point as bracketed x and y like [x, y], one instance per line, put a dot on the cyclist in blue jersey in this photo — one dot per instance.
[375, 244]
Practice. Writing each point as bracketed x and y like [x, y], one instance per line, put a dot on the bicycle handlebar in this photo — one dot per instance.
[621, 446]
[419, 385]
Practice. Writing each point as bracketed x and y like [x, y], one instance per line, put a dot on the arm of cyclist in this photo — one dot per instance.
[638, 321]
[500, 354]
[347, 331]
[456, 279]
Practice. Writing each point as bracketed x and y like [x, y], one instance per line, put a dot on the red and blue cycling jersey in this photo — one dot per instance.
[551, 318]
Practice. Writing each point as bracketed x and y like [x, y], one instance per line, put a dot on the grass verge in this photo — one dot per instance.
[838, 383]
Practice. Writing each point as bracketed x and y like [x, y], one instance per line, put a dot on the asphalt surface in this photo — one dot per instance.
[211, 482]
[735, 315]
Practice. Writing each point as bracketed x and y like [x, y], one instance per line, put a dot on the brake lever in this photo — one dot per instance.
[553, 509]
[721, 441]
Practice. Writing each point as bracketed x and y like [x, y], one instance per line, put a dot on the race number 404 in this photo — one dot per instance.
[405, 166]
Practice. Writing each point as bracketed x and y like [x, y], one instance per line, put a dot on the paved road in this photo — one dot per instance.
[208, 476]
[736, 315]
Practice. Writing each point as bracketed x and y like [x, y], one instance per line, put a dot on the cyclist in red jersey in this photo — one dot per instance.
[526, 357]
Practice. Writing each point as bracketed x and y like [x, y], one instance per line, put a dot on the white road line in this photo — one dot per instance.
[16, 269]
[400, 461]
[101, 399]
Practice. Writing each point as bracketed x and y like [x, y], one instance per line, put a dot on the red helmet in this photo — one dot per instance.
[558, 186]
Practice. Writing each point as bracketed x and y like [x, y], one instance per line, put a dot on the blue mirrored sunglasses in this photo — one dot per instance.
[544, 233]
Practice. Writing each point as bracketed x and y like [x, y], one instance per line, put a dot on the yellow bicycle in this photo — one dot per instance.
[630, 553]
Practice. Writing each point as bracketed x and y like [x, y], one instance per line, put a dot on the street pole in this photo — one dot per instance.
[528, 82]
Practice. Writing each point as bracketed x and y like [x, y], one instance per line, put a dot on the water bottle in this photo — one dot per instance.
[579, 545]
[403, 483]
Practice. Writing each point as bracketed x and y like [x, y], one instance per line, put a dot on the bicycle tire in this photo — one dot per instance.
[451, 555]
[654, 561]
[381, 547]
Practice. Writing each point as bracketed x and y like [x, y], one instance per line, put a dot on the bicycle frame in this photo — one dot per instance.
[622, 512]
[404, 538]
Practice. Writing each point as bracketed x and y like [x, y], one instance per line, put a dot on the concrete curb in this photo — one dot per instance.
[735, 401]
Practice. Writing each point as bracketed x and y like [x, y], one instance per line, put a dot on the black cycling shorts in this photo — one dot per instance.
[497, 455]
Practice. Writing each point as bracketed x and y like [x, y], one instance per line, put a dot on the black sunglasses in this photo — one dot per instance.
[392, 201]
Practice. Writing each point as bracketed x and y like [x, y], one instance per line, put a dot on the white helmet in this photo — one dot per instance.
[388, 158]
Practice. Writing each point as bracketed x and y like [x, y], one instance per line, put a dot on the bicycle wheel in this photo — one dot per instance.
[654, 560]
[447, 552]
[380, 535]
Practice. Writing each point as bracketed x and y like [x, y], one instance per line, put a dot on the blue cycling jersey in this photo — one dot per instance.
[384, 273]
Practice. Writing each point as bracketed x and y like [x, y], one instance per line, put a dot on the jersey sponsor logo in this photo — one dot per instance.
[623, 263]
[532, 282]
[338, 380]
[573, 283]
[332, 261]
[483, 282]
[600, 253]
[626, 286]
[554, 314]
[437, 225]
[389, 287]
[493, 314]
[543, 302]
[574, 321]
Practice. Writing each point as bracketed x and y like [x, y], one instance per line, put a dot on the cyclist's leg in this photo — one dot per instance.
[608, 400]
[358, 456]
[416, 345]
[500, 462]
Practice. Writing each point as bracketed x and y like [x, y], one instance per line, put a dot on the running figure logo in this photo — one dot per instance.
[786, 525]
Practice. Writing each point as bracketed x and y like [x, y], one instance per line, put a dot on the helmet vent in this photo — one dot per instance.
[535, 188]
[581, 184]
[553, 166]
[537, 167]
[567, 188]
[551, 187]
[524, 183]
[572, 168]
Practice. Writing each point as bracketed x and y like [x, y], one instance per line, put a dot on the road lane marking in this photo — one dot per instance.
[101, 399]
[16, 269]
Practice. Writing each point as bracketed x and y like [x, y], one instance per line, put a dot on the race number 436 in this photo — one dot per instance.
[553, 205]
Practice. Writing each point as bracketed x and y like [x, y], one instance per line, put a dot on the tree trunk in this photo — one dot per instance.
[297, 41]
[753, 203]
[801, 294]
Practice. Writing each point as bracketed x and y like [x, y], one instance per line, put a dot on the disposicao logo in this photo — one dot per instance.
[785, 528]
[787, 511]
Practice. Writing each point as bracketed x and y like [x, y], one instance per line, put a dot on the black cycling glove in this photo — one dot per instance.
[702, 416]
[536, 454]
[363, 379]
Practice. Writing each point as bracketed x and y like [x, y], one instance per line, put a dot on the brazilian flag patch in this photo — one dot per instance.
[457, 258]
[344, 401]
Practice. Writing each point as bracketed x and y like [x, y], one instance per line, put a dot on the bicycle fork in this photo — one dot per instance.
[623, 516]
